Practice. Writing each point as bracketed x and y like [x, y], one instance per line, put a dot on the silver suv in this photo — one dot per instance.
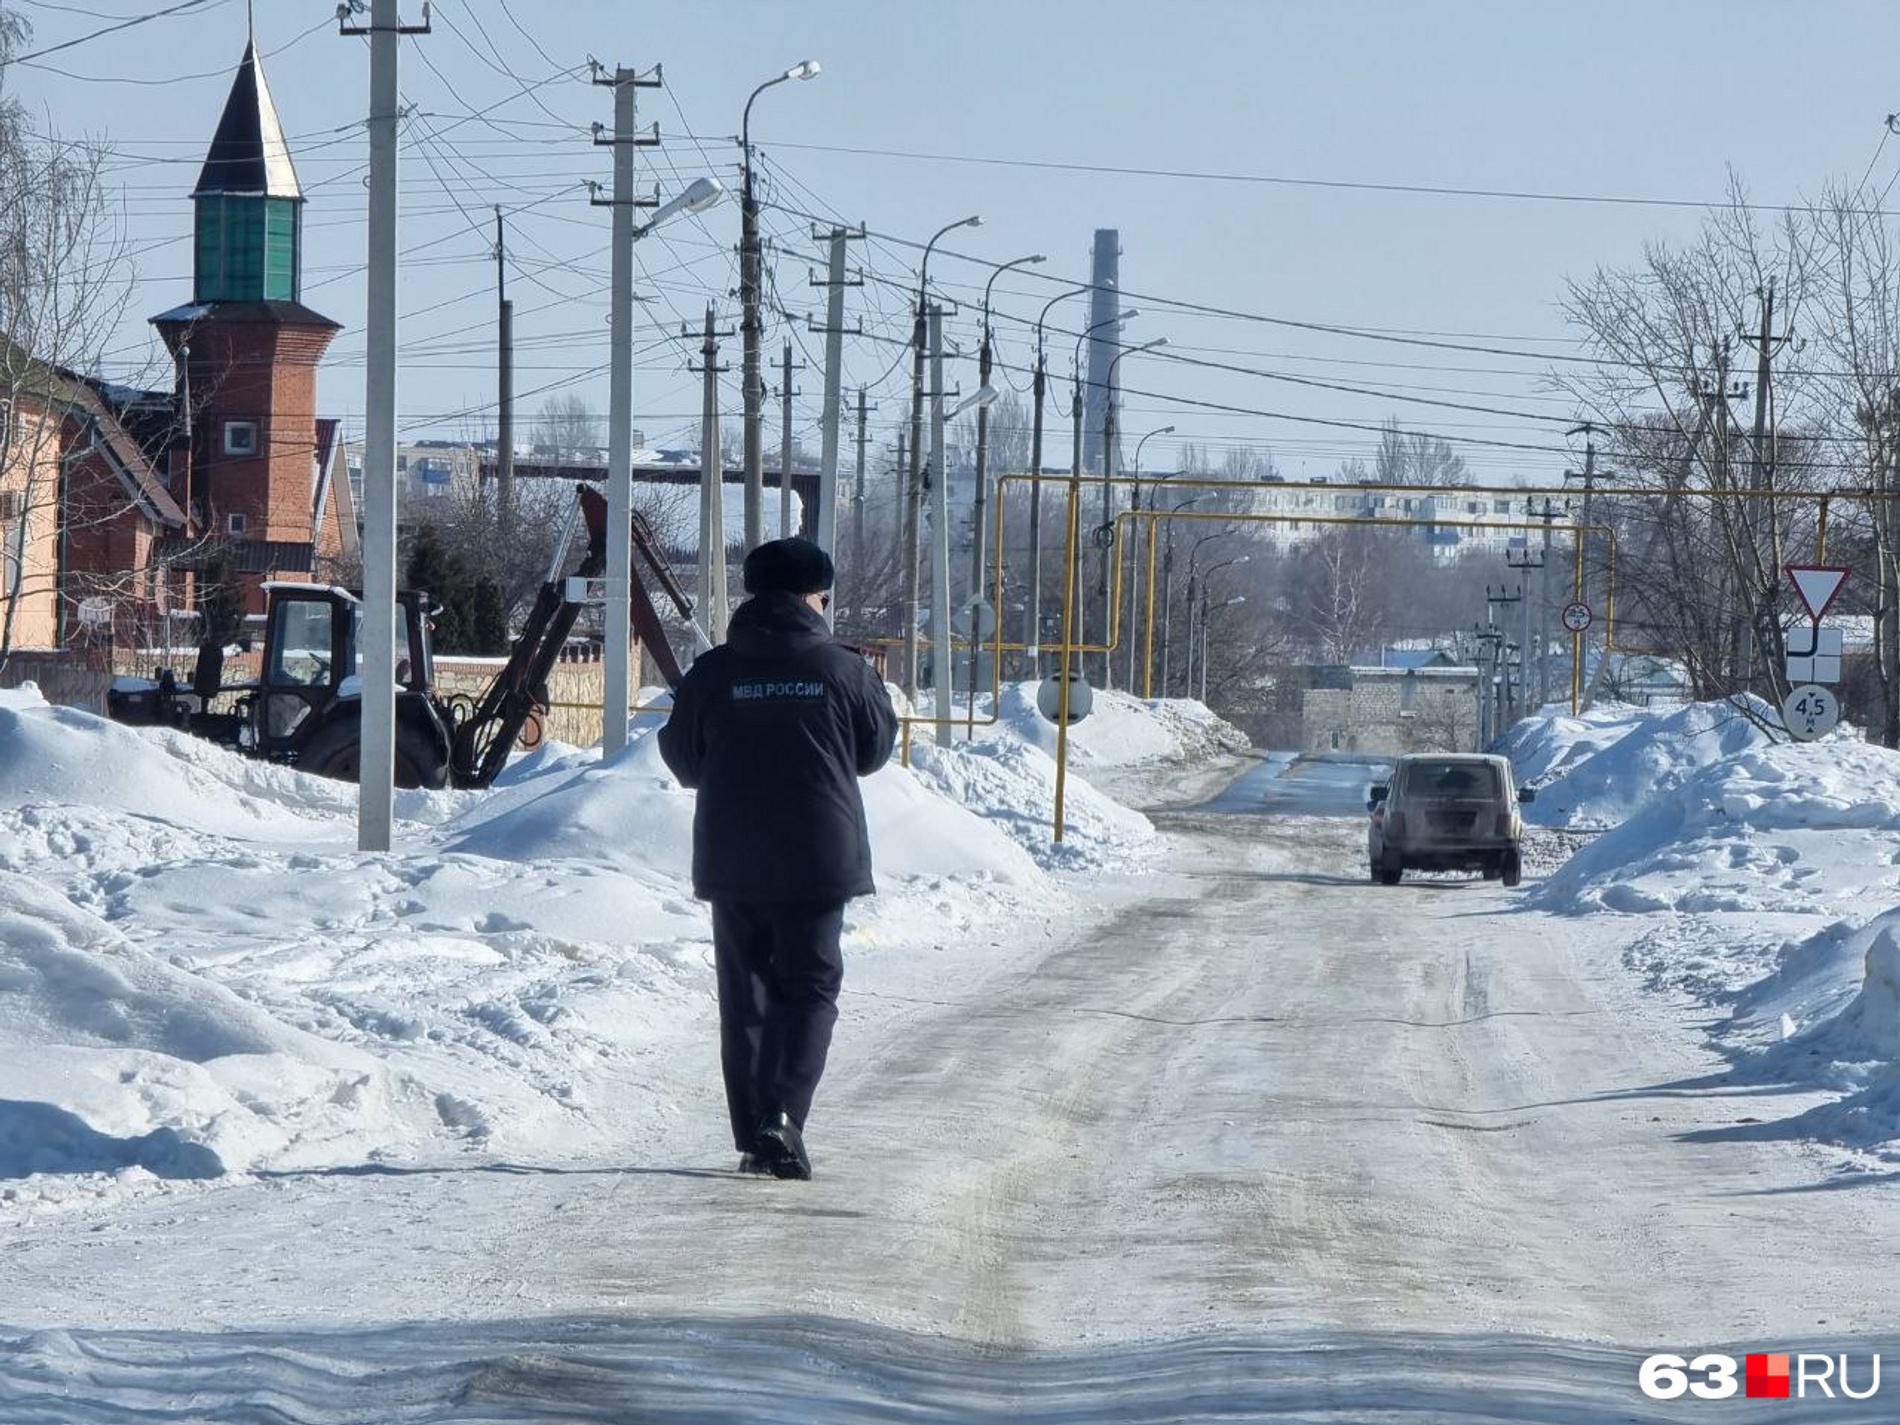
[1444, 812]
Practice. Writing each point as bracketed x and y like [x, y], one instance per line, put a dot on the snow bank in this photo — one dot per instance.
[1012, 785]
[1121, 730]
[1603, 768]
[1775, 828]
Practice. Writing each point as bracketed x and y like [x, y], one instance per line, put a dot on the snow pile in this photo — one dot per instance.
[1012, 784]
[200, 975]
[1601, 769]
[1788, 827]
[1545, 746]
[1121, 730]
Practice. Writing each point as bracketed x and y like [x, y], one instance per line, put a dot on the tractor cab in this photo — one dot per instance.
[311, 639]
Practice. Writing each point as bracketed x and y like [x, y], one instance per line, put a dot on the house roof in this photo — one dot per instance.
[26, 375]
[276, 311]
[248, 156]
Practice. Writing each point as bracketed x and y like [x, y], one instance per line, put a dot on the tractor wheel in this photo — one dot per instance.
[335, 751]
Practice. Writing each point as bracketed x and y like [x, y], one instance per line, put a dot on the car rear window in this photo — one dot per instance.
[1451, 779]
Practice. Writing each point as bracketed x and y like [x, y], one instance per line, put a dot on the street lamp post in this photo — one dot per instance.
[979, 542]
[1075, 465]
[1107, 536]
[940, 672]
[1167, 586]
[1206, 614]
[750, 274]
[1032, 635]
[914, 484]
[1134, 566]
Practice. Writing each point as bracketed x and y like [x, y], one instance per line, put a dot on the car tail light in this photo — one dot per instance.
[1504, 823]
[1395, 823]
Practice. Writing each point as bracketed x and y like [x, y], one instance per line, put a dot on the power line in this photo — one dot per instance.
[126, 24]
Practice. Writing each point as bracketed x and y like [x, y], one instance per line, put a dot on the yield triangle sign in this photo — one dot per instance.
[1817, 584]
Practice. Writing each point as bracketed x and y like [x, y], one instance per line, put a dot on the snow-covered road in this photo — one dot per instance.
[1267, 1141]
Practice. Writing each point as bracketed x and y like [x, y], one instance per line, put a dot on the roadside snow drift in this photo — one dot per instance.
[200, 975]
[1787, 827]
[1600, 769]
[1121, 730]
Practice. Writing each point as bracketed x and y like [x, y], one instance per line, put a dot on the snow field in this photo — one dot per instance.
[199, 975]
[1769, 871]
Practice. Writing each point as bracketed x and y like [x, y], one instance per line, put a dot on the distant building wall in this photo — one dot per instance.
[1387, 712]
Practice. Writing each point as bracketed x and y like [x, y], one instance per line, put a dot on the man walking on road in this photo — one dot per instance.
[774, 728]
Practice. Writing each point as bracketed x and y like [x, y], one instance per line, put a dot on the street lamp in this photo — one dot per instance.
[1134, 567]
[914, 490]
[1127, 314]
[1197, 585]
[1032, 614]
[700, 194]
[1108, 509]
[979, 535]
[1167, 582]
[1206, 613]
[750, 263]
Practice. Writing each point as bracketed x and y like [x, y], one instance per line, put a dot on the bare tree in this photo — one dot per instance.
[64, 283]
[570, 427]
[1414, 458]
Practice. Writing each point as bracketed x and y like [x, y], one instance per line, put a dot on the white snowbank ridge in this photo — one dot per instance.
[199, 974]
[1769, 868]
[1600, 768]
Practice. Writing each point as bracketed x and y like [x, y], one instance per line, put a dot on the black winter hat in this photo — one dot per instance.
[788, 566]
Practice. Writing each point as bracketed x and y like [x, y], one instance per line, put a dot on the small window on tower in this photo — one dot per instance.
[235, 524]
[240, 437]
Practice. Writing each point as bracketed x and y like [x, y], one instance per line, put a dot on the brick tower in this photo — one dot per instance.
[246, 350]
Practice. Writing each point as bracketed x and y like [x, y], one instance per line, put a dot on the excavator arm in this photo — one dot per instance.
[483, 739]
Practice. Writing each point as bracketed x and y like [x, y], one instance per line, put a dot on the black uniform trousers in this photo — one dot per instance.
[780, 970]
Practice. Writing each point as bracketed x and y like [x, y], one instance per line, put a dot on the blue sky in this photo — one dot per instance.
[1636, 100]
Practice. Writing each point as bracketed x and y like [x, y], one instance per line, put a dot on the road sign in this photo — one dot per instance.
[977, 619]
[1817, 584]
[1049, 697]
[1814, 654]
[1810, 712]
[1577, 617]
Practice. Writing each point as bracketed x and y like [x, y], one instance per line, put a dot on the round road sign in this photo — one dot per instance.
[1104, 536]
[1049, 697]
[1577, 617]
[1811, 711]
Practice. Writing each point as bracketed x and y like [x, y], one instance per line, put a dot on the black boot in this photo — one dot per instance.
[782, 1147]
[754, 1165]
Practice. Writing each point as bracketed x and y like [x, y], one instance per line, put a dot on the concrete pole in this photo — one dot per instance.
[1075, 575]
[752, 377]
[826, 525]
[857, 505]
[1524, 649]
[376, 755]
[785, 529]
[504, 395]
[616, 668]
[1545, 623]
[979, 531]
[914, 507]
[1032, 614]
[1108, 551]
[711, 603]
[941, 673]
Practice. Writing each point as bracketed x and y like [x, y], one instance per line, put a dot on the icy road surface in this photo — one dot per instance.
[1272, 1142]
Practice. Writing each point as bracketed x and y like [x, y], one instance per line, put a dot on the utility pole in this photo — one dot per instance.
[711, 604]
[1075, 575]
[1548, 514]
[857, 506]
[1493, 599]
[504, 393]
[835, 282]
[1032, 612]
[1522, 560]
[1106, 533]
[376, 751]
[1760, 472]
[940, 560]
[752, 378]
[616, 663]
[1488, 639]
[979, 542]
[914, 505]
[785, 530]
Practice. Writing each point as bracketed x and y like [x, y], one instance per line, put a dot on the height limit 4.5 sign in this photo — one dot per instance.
[1810, 711]
[1577, 617]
